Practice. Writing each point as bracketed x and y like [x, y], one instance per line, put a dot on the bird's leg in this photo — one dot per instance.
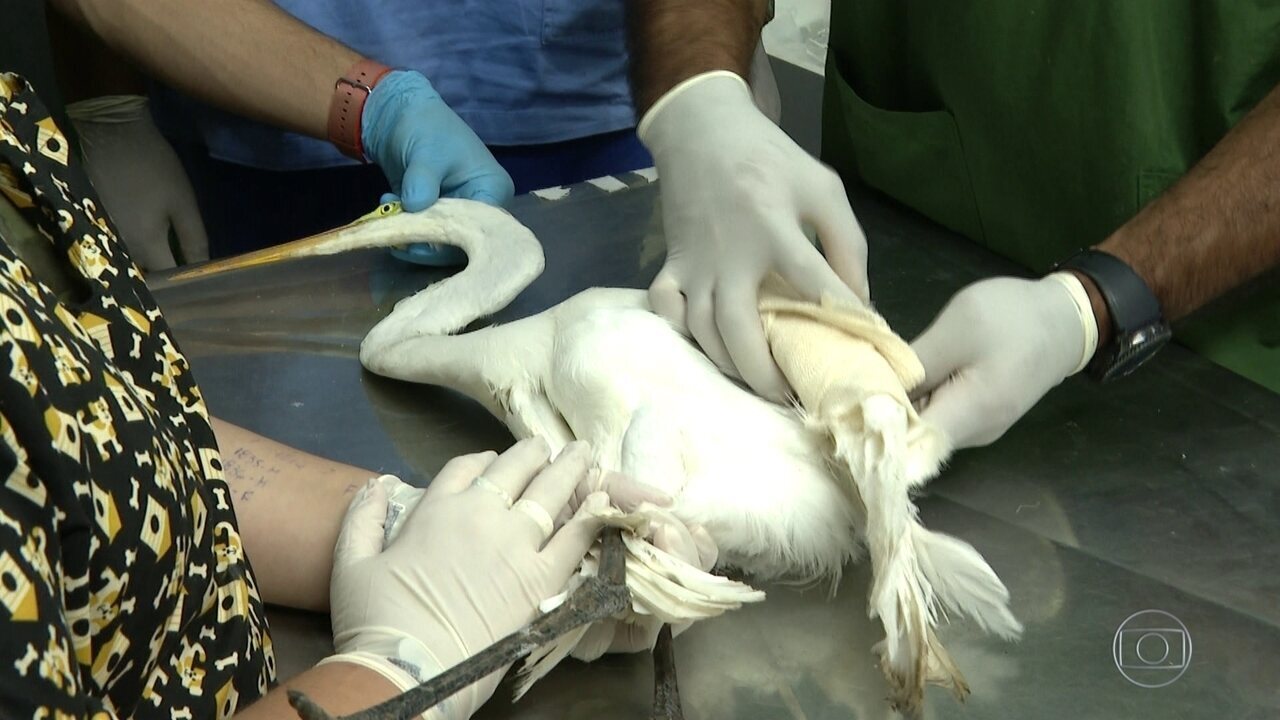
[666, 693]
[598, 598]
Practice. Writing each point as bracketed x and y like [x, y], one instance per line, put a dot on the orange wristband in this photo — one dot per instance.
[350, 93]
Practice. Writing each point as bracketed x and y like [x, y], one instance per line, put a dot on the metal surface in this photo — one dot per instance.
[1161, 491]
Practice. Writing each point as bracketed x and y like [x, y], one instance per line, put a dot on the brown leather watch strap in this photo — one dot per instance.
[347, 106]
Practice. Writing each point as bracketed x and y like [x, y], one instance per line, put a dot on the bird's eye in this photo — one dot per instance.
[386, 208]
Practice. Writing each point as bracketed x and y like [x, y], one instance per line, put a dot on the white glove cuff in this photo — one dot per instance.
[405, 676]
[1084, 308]
[646, 122]
[394, 674]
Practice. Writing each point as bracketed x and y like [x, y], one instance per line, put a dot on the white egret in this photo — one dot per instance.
[786, 493]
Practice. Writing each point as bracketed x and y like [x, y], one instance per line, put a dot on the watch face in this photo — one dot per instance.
[1135, 348]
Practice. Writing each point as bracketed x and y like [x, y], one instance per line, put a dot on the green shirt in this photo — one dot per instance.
[1037, 127]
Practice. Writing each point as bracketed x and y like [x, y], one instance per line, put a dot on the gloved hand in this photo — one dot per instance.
[466, 569]
[139, 179]
[692, 544]
[425, 149]
[737, 198]
[996, 348]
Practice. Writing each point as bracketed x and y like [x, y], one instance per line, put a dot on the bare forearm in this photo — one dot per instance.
[85, 67]
[1219, 226]
[289, 505]
[340, 688]
[672, 40]
[245, 56]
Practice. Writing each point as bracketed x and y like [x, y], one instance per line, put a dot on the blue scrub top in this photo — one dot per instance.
[519, 72]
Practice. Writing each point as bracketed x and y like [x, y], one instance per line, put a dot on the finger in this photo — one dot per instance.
[673, 537]
[690, 543]
[493, 189]
[594, 482]
[388, 198]
[738, 319]
[553, 487]
[708, 551]
[514, 469]
[843, 241]
[666, 299]
[457, 474]
[951, 410]
[361, 535]
[701, 317]
[811, 277]
[939, 353]
[189, 227]
[154, 254]
[635, 636]
[626, 493]
[420, 187]
[565, 550]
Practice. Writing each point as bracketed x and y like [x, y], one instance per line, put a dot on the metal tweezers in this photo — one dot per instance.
[598, 598]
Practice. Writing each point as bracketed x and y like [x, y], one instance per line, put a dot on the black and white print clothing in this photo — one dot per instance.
[124, 589]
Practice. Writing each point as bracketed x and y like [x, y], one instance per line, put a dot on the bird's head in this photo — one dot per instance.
[320, 244]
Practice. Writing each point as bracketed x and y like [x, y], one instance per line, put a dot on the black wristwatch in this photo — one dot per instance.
[1138, 327]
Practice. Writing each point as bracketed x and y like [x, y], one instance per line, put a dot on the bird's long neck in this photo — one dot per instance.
[503, 257]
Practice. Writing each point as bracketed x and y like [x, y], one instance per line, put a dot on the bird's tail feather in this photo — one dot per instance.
[919, 574]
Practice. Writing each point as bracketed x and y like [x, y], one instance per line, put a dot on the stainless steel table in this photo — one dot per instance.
[1161, 492]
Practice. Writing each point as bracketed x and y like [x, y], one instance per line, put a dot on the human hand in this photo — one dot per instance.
[425, 149]
[737, 198]
[996, 348]
[689, 543]
[140, 180]
[466, 568]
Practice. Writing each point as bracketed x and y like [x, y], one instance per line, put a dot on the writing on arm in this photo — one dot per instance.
[289, 505]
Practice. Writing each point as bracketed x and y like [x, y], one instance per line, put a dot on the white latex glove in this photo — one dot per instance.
[139, 179]
[465, 570]
[692, 544]
[997, 347]
[738, 196]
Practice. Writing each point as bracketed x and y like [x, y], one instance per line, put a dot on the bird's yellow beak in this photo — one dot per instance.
[306, 247]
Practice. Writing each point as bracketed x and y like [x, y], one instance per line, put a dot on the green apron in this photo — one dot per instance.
[1037, 127]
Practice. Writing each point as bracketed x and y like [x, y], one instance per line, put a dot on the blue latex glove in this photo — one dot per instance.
[425, 149]
[433, 254]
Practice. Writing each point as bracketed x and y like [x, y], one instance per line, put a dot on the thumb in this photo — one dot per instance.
[189, 227]
[956, 410]
[565, 550]
[843, 241]
[940, 353]
[493, 189]
[420, 186]
[361, 535]
[625, 493]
